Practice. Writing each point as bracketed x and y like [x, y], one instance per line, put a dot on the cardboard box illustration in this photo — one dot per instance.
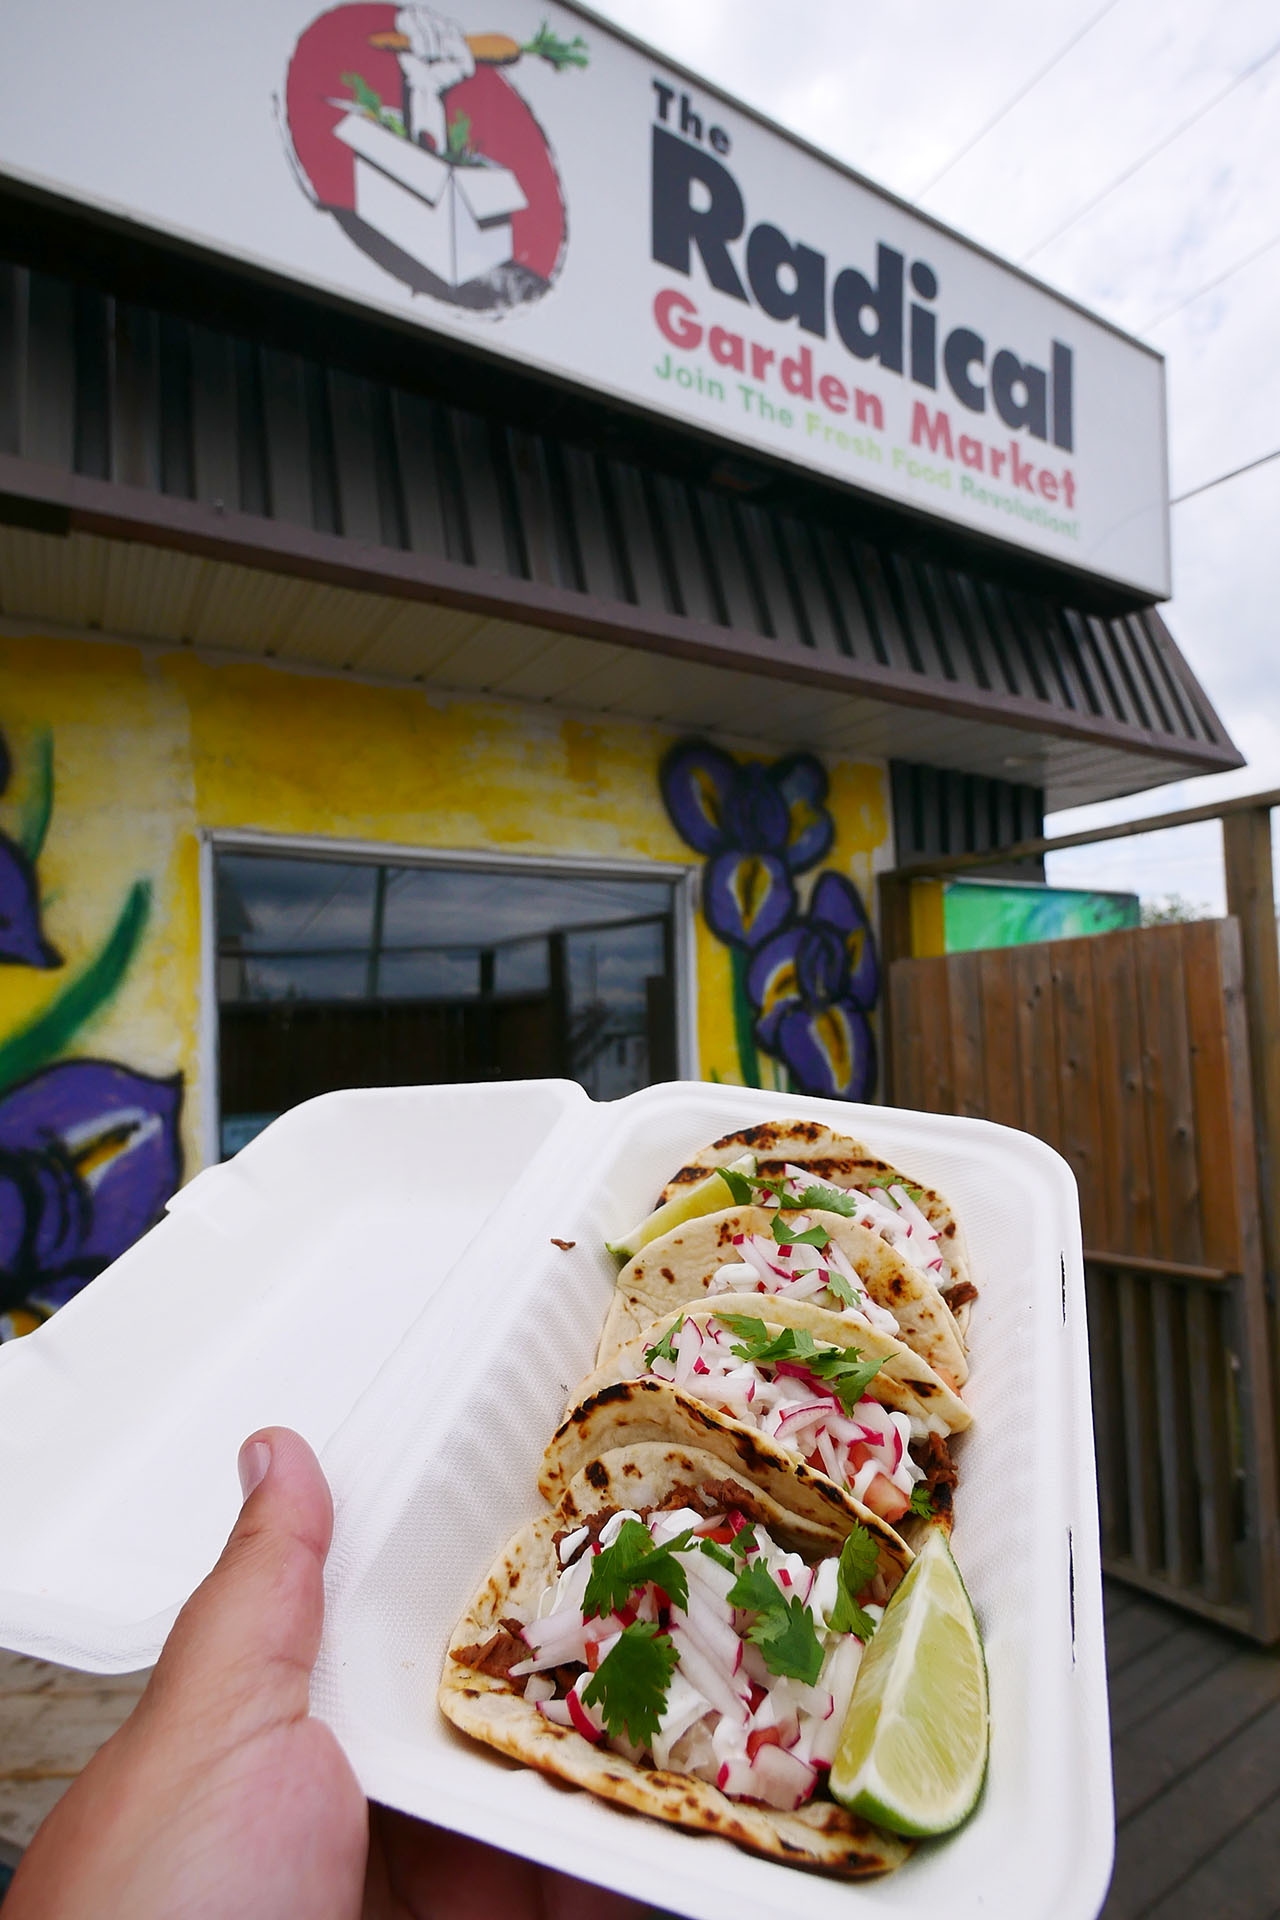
[456, 220]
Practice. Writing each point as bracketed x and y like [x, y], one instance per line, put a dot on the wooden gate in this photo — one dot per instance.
[1128, 1053]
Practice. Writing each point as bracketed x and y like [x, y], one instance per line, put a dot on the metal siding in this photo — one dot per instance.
[135, 414]
[288, 437]
[92, 430]
[15, 305]
[215, 455]
[50, 378]
[173, 367]
[411, 424]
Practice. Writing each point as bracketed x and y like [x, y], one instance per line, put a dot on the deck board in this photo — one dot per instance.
[1195, 1735]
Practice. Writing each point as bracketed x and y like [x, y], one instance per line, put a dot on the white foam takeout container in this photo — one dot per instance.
[377, 1270]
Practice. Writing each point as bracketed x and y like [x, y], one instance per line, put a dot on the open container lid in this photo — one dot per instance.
[378, 1270]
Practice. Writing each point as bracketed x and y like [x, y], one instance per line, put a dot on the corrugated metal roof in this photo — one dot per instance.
[266, 501]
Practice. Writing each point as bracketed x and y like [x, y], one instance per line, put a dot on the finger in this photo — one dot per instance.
[242, 1649]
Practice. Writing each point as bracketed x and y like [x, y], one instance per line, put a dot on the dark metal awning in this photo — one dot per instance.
[180, 483]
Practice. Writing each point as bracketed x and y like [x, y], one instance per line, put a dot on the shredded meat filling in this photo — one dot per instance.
[940, 1475]
[960, 1294]
[498, 1654]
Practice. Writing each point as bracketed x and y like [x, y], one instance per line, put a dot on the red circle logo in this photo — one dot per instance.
[413, 135]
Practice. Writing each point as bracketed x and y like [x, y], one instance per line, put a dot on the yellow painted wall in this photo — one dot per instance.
[150, 747]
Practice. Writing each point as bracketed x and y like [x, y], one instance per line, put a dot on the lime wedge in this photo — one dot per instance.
[705, 1196]
[913, 1750]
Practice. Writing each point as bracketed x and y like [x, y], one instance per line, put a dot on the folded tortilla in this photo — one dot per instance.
[842, 1162]
[622, 1403]
[905, 1382]
[679, 1267]
[492, 1708]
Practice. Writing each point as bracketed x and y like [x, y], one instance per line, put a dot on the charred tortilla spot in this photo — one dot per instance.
[597, 1473]
[668, 1275]
[925, 1387]
[631, 1471]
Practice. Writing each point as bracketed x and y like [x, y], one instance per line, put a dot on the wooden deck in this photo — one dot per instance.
[1195, 1740]
[1195, 1716]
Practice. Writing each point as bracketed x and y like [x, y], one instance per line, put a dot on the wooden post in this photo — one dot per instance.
[895, 944]
[1246, 846]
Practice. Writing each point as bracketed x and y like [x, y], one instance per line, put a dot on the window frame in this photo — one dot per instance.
[681, 876]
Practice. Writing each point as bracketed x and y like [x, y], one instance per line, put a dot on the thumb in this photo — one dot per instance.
[241, 1651]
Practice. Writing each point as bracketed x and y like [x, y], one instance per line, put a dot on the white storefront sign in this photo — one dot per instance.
[521, 177]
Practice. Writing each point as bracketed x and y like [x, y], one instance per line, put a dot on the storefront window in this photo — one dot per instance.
[352, 973]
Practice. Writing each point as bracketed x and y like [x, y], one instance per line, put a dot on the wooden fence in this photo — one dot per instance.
[1135, 1055]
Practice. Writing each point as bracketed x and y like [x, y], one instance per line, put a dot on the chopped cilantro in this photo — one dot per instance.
[859, 1558]
[721, 1555]
[922, 1500]
[739, 1185]
[891, 1179]
[783, 1630]
[744, 1541]
[633, 1561]
[829, 1200]
[746, 1326]
[815, 1237]
[630, 1684]
[788, 1641]
[843, 1369]
[663, 1349]
[837, 1284]
[755, 1589]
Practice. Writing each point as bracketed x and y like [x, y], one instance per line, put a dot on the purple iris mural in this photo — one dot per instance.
[814, 984]
[805, 977]
[89, 1149]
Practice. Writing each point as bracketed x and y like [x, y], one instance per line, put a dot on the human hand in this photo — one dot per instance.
[220, 1799]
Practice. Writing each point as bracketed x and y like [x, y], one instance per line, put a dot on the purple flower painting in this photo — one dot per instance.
[813, 985]
[804, 979]
[758, 825]
[89, 1149]
[89, 1154]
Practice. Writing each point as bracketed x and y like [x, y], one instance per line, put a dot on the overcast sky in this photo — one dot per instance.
[896, 91]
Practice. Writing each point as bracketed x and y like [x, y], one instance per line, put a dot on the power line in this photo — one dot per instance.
[1209, 285]
[1166, 140]
[1222, 478]
[1014, 100]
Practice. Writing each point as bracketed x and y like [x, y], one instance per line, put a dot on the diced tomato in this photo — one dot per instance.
[722, 1535]
[763, 1737]
[886, 1499]
[593, 1655]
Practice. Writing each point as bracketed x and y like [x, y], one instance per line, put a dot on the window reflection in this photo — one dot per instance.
[336, 973]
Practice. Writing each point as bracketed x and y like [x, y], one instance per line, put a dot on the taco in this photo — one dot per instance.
[816, 1256]
[860, 1420]
[678, 1641]
[917, 1222]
